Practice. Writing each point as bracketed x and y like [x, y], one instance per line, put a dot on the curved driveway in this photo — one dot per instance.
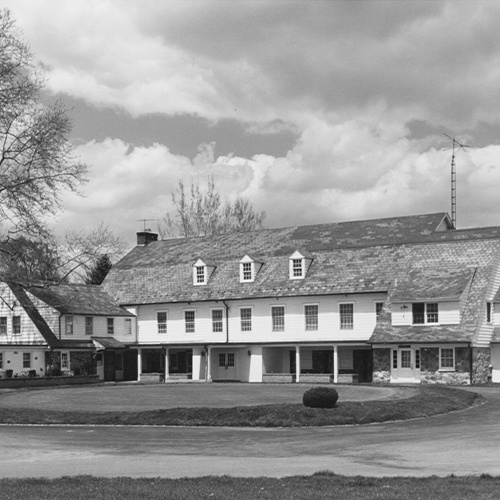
[466, 442]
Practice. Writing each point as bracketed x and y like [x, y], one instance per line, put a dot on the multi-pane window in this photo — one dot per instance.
[1, 360]
[395, 359]
[447, 358]
[417, 359]
[297, 268]
[64, 361]
[311, 314]
[200, 274]
[16, 325]
[217, 324]
[3, 325]
[189, 317]
[26, 359]
[128, 326]
[161, 320]
[425, 312]
[346, 316]
[378, 308]
[246, 271]
[111, 326]
[69, 325]
[246, 319]
[278, 317]
[89, 325]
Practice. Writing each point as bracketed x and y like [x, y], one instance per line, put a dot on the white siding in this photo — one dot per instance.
[100, 328]
[294, 331]
[449, 313]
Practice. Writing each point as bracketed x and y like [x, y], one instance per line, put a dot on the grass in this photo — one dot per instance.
[427, 401]
[323, 485]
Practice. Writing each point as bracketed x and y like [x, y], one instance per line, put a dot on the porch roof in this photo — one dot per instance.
[107, 343]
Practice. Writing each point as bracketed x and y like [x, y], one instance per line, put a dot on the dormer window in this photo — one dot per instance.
[299, 263]
[202, 271]
[200, 275]
[249, 267]
[247, 271]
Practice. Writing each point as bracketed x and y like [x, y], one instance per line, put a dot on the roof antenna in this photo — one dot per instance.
[144, 223]
[456, 145]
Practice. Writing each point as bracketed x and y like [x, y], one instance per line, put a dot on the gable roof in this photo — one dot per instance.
[349, 257]
[34, 314]
[89, 300]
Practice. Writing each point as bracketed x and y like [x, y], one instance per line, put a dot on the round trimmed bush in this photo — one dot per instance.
[320, 397]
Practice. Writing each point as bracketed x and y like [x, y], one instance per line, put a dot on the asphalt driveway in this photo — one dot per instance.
[465, 442]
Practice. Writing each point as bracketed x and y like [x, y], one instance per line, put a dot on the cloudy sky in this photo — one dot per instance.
[317, 111]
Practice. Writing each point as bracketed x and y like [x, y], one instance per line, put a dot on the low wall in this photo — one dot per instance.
[14, 383]
[278, 378]
[152, 378]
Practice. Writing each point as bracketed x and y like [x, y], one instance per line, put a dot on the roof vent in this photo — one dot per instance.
[146, 237]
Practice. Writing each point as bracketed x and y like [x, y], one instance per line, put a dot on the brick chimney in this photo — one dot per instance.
[146, 237]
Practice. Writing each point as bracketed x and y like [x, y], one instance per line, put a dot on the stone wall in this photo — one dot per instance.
[429, 359]
[381, 365]
[481, 360]
[429, 365]
[450, 378]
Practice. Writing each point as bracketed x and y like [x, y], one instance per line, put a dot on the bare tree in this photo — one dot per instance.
[36, 160]
[203, 213]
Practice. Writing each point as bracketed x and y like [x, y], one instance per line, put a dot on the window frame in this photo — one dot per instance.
[161, 326]
[216, 321]
[1, 360]
[65, 354]
[27, 360]
[343, 316]
[489, 311]
[314, 326]
[16, 325]
[89, 325]
[4, 326]
[190, 322]
[69, 323]
[426, 313]
[127, 327]
[246, 322]
[110, 326]
[275, 323]
[379, 306]
[247, 275]
[442, 357]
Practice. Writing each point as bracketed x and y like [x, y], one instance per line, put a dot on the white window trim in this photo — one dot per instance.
[158, 324]
[67, 368]
[92, 323]
[251, 318]
[113, 325]
[302, 268]
[436, 323]
[448, 368]
[284, 317]
[195, 275]
[127, 321]
[31, 360]
[69, 321]
[194, 320]
[212, 319]
[353, 314]
[252, 272]
[305, 318]
[6, 326]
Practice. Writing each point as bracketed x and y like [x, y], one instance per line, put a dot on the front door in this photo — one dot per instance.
[405, 365]
[226, 366]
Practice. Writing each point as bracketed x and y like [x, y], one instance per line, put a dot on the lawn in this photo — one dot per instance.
[426, 401]
[321, 485]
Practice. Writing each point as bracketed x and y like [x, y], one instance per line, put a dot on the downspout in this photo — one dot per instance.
[227, 321]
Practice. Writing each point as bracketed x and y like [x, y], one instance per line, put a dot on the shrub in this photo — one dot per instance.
[8, 373]
[320, 397]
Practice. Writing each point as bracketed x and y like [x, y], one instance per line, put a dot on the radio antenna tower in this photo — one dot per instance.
[455, 146]
[147, 220]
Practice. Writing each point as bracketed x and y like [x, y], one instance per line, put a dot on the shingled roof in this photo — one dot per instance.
[89, 300]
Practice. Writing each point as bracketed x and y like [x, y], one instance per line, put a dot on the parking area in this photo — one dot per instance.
[136, 397]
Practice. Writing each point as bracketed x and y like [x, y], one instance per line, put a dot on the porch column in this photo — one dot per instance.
[335, 364]
[166, 364]
[209, 364]
[297, 363]
[139, 364]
